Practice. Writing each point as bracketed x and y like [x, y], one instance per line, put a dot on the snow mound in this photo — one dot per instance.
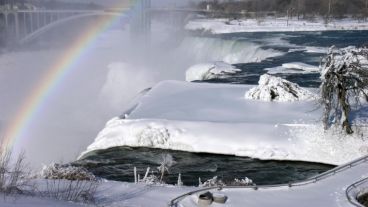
[273, 88]
[206, 71]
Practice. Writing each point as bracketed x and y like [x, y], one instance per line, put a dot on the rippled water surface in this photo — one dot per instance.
[118, 164]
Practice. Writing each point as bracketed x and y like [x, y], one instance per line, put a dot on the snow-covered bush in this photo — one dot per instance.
[70, 183]
[66, 172]
[213, 182]
[273, 88]
[166, 162]
[151, 180]
[242, 182]
[206, 71]
[344, 78]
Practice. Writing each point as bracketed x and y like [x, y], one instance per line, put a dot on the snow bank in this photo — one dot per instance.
[292, 68]
[270, 24]
[214, 118]
[273, 88]
[206, 71]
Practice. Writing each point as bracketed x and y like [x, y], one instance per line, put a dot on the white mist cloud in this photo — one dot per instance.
[90, 95]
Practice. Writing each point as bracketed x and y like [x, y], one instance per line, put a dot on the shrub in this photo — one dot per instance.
[70, 183]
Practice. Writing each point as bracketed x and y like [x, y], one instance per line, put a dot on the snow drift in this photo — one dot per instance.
[273, 88]
[206, 71]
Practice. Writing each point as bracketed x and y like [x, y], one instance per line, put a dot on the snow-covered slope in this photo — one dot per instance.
[216, 118]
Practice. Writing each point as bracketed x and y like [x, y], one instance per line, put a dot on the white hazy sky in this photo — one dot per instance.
[154, 2]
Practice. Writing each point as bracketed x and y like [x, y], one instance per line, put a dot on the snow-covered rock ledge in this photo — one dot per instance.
[215, 118]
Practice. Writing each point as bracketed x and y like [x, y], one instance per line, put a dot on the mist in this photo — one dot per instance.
[98, 88]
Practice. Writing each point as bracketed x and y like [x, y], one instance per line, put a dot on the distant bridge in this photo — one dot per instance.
[21, 26]
[24, 25]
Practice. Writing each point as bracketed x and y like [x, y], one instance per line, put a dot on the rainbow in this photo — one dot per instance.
[35, 102]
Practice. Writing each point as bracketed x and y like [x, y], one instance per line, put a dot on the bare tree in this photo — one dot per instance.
[344, 82]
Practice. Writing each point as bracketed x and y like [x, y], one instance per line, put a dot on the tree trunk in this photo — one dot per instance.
[345, 108]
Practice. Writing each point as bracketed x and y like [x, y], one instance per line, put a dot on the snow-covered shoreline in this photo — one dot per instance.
[269, 24]
[216, 118]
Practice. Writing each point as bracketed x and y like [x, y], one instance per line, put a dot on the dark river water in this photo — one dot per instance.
[294, 45]
[118, 163]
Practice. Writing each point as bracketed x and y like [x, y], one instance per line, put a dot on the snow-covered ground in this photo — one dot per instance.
[216, 118]
[269, 24]
[109, 194]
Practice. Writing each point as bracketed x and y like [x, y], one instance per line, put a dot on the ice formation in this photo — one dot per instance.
[273, 88]
[292, 68]
[206, 71]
